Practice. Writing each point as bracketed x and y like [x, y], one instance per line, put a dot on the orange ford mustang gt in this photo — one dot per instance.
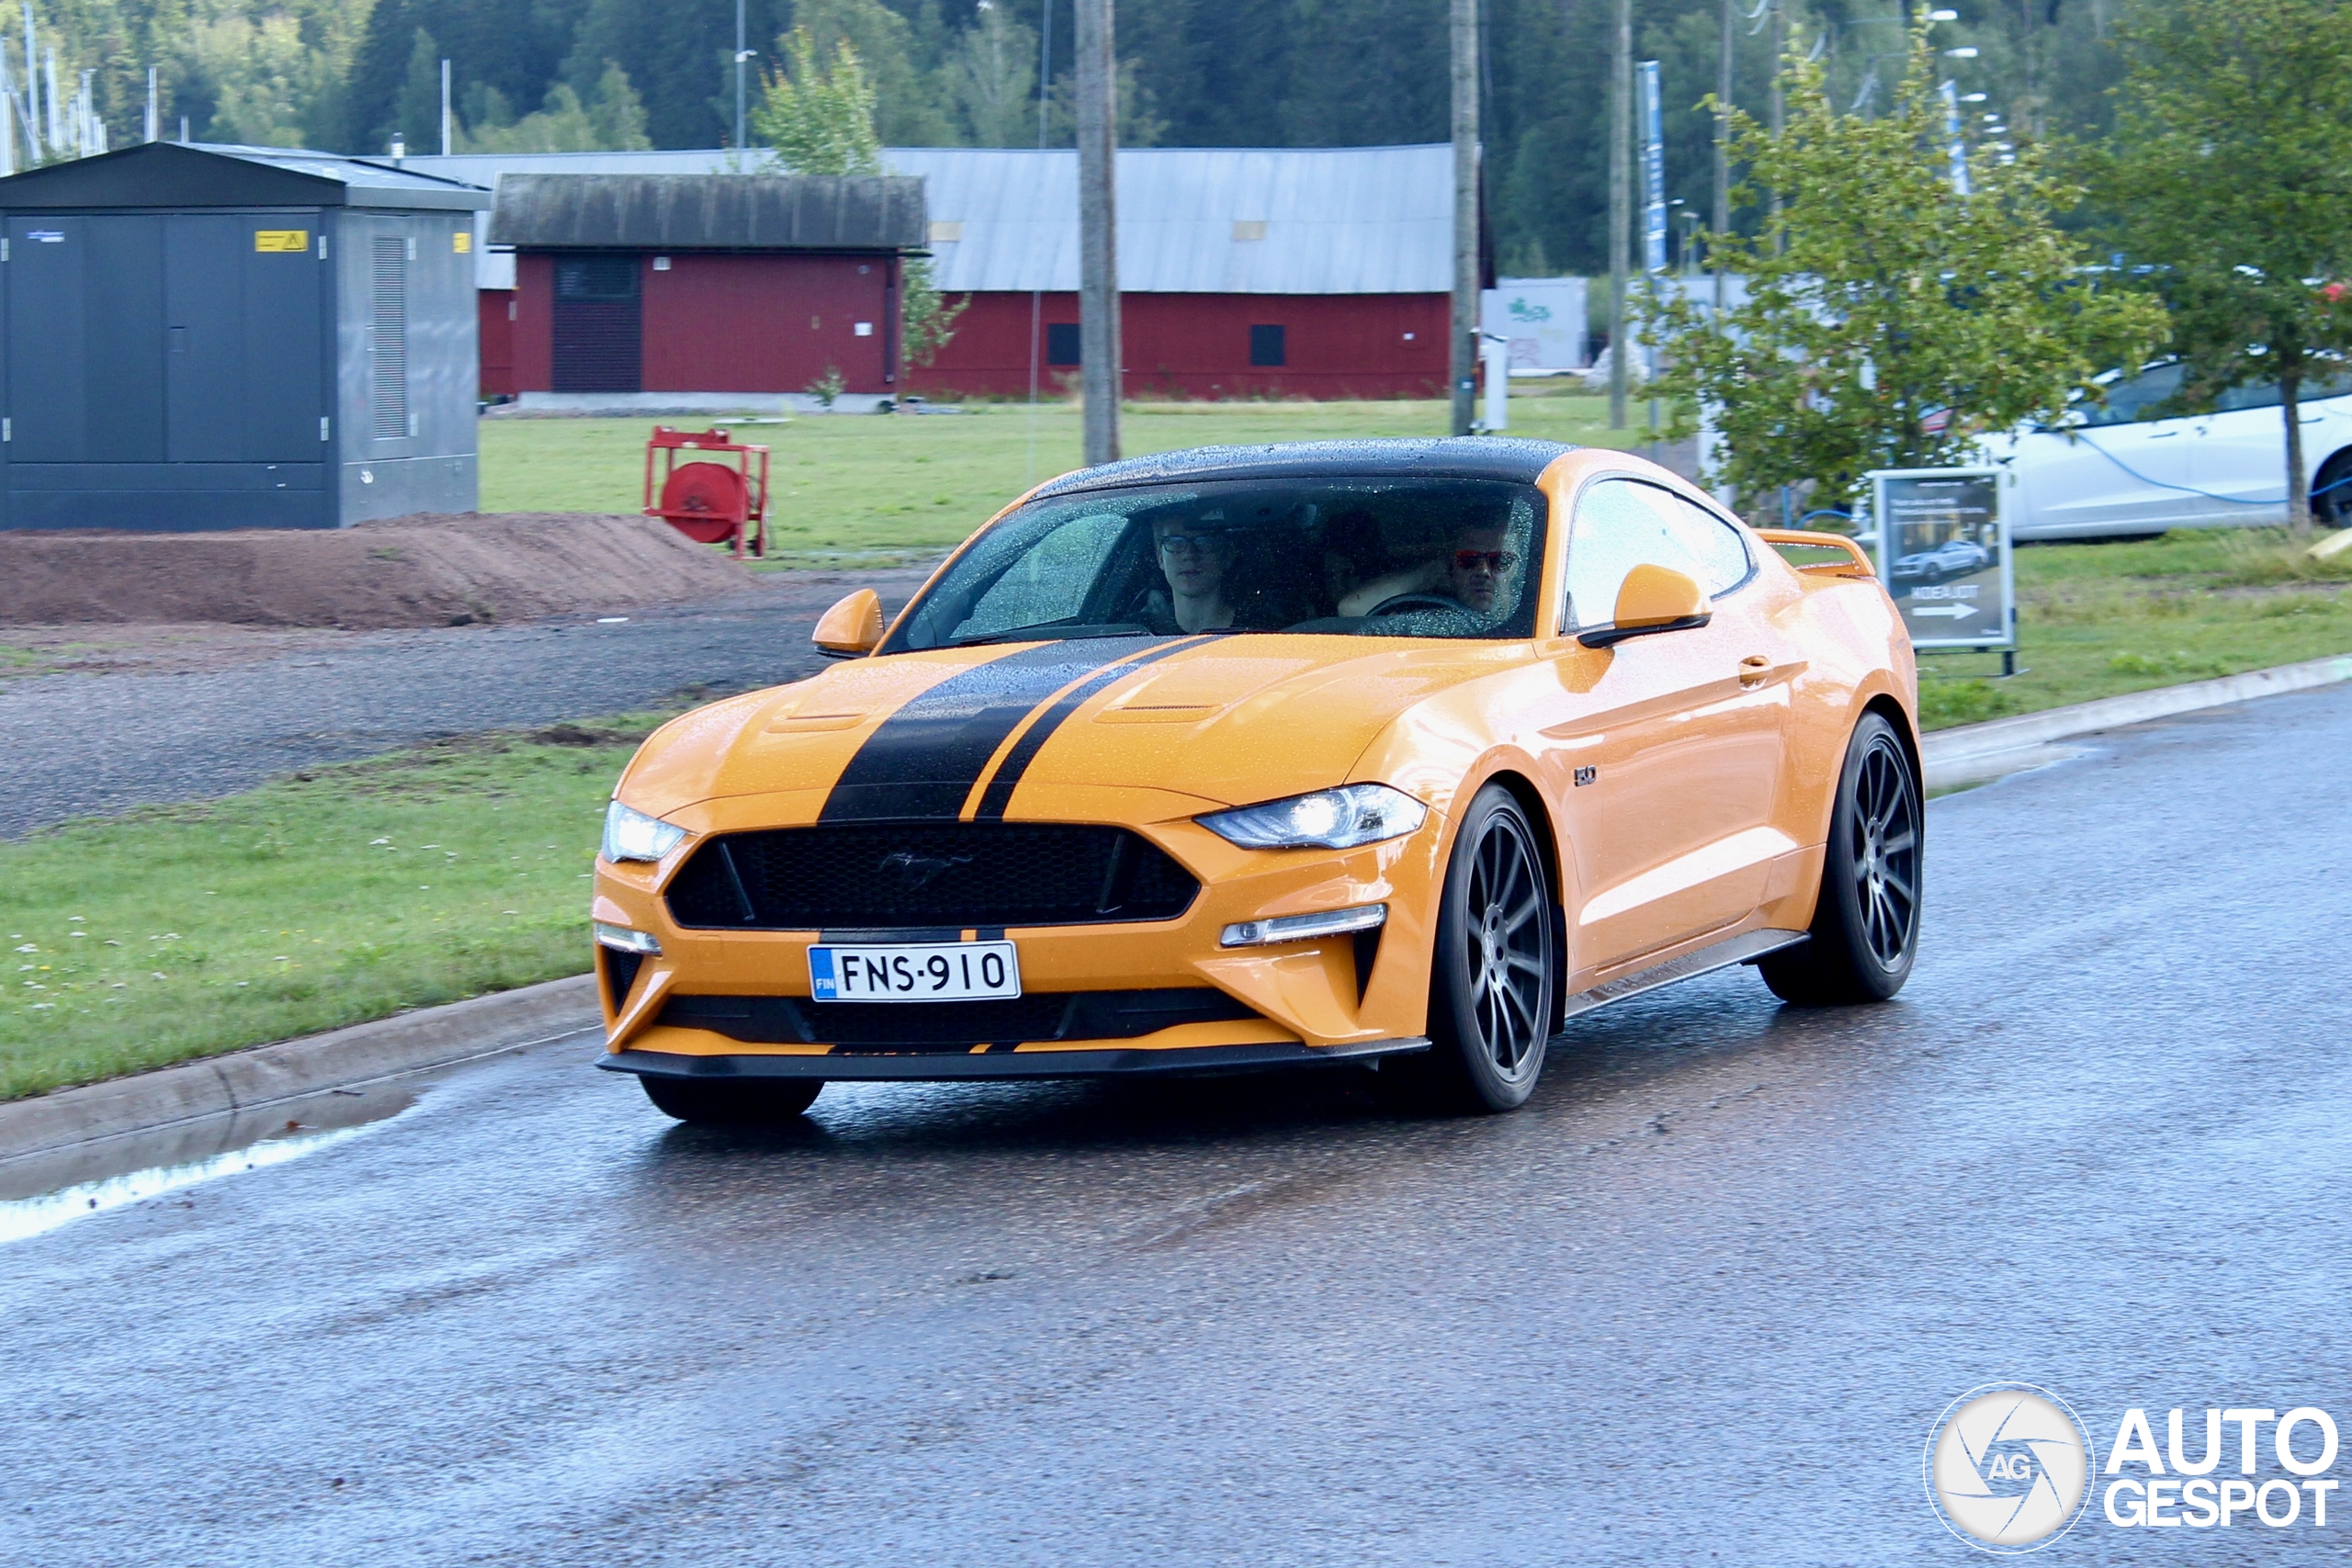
[1392, 753]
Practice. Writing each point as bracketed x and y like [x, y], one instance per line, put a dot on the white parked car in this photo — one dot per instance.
[2106, 470]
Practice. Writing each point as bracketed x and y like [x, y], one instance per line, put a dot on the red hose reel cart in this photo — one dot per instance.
[712, 503]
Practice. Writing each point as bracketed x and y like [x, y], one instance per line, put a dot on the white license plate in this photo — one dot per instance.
[932, 972]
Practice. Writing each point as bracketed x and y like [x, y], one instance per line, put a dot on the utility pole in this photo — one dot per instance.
[1621, 200]
[1723, 148]
[155, 108]
[1780, 100]
[1098, 229]
[1463, 362]
[445, 109]
[741, 54]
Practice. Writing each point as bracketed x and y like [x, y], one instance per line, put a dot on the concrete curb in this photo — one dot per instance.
[1975, 752]
[341, 1058]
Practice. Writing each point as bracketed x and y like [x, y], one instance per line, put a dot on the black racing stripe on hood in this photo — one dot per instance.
[924, 759]
[1033, 740]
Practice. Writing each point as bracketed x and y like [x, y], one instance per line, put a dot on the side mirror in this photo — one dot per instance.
[1652, 599]
[850, 627]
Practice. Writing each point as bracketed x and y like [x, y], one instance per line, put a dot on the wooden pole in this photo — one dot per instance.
[1620, 201]
[1098, 257]
[1463, 364]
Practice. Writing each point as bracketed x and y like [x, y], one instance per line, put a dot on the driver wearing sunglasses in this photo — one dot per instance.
[1478, 568]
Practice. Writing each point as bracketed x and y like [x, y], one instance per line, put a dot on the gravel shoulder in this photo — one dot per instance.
[139, 715]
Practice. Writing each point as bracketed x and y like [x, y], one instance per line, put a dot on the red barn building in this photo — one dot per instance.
[698, 284]
[1243, 272]
[1319, 272]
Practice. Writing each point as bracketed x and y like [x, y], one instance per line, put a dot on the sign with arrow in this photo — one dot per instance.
[1943, 553]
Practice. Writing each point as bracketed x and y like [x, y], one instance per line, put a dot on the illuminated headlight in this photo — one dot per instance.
[1330, 819]
[1299, 928]
[632, 835]
[628, 940]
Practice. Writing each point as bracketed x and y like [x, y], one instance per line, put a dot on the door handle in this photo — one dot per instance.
[2163, 434]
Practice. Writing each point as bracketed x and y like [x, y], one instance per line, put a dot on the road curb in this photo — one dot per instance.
[341, 1058]
[1975, 752]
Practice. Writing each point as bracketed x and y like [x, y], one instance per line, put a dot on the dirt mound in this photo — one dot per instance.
[426, 571]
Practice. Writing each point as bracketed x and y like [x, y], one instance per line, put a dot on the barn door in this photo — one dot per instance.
[599, 324]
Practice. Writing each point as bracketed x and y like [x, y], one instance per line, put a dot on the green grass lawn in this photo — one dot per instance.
[2099, 619]
[879, 489]
[328, 897]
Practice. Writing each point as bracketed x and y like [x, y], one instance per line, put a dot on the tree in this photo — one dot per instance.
[817, 118]
[2232, 196]
[907, 107]
[927, 321]
[992, 78]
[610, 119]
[1890, 322]
[417, 111]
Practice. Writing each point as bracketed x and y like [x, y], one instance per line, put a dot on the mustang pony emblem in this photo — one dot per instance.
[920, 871]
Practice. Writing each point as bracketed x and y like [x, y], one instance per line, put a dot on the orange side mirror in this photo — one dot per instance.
[1653, 599]
[850, 627]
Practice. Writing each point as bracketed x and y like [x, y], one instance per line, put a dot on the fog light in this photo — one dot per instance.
[628, 940]
[1299, 928]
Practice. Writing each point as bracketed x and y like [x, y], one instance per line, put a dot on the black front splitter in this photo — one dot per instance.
[868, 1065]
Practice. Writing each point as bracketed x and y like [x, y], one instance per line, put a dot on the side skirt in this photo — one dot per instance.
[1746, 948]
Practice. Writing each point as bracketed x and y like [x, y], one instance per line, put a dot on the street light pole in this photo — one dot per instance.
[1098, 255]
[1722, 148]
[1621, 200]
[1463, 364]
[740, 55]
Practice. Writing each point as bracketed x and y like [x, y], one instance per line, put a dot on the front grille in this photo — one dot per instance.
[952, 1026]
[884, 875]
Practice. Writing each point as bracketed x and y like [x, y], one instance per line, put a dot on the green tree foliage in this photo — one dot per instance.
[908, 111]
[817, 113]
[1879, 297]
[417, 113]
[2230, 185]
[610, 118]
[991, 81]
[926, 320]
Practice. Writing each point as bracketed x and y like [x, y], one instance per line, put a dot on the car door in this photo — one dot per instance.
[1674, 742]
[2241, 450]
[2108, 470]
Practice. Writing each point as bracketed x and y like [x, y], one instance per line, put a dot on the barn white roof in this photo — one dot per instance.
[1192, 220]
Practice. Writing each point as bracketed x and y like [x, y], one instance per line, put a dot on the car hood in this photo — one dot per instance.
[1223, 719]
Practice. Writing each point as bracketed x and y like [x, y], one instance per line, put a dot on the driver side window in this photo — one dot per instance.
[1620, 525]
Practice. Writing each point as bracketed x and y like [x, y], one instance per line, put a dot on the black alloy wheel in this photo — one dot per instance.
[1866, 925]
[1491, 980]
[731, 1102]
[2332, 493]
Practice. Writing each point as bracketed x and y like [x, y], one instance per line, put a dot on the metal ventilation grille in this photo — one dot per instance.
[388, 338]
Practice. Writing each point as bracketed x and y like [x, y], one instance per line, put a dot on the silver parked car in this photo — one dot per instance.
[2106, 470]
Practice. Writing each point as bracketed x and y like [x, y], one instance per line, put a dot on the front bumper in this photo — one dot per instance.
[1288, 1001]
[839, 1066]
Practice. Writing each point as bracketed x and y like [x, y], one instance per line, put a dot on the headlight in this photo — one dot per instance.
[1330, 819]
[632, 835]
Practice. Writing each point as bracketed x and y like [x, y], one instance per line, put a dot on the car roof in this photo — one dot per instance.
[1462, 458]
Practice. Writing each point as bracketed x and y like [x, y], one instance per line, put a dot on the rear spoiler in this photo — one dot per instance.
[1851, 561]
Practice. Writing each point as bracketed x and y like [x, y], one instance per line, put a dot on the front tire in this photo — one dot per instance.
[1866, 923]
[731, 1102]
[1491, 978]
[2332, 496]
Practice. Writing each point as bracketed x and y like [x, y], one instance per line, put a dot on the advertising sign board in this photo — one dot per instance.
[1943, 553]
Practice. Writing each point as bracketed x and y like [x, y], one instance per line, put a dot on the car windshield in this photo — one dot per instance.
[1346, 557]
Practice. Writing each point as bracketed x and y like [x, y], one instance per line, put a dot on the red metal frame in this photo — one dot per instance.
[685, 499]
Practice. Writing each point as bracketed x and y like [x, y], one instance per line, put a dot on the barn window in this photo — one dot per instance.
[1061, 343]
[1266, 346]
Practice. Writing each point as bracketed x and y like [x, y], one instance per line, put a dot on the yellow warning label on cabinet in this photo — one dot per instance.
[282, 240]
[463, 240]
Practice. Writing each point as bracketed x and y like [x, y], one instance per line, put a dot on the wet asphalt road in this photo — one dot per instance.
[88, 744]
[1698, 1303]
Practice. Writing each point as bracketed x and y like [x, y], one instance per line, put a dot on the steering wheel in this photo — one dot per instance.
[1403, 603]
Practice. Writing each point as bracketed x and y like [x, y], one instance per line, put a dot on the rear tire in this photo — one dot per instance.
[2333, 509]
[1866, 923]
[733, 1102]
[1491, 976]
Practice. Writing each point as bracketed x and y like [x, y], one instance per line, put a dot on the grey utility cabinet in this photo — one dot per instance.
[197, 337]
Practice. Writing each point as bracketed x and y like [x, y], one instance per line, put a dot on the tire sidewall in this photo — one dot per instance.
[1453, 1024]
[1844, 917]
